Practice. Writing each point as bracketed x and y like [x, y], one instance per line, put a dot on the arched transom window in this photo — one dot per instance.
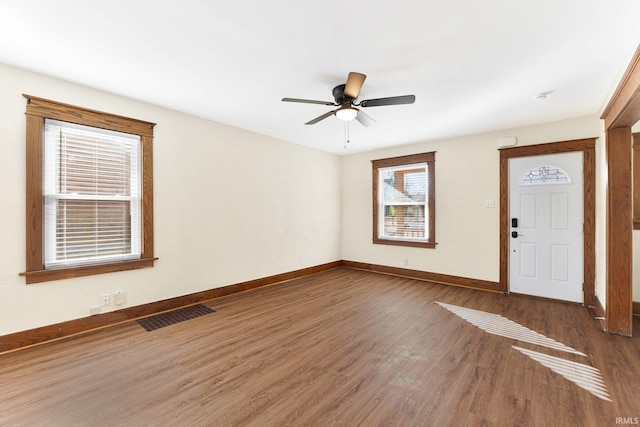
[541, 175]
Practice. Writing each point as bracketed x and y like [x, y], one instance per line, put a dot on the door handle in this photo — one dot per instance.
[515, 234]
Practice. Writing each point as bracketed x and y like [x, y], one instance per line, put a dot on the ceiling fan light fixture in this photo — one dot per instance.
[346, 113]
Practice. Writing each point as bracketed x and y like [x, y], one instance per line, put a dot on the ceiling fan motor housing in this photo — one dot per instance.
[340, 97]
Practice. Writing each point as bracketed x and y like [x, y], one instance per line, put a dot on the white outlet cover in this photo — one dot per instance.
[119, 298]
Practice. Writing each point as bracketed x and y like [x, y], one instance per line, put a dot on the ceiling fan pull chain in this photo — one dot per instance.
[346, 134]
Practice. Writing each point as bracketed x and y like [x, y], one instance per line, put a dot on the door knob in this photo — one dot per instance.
[515, 234]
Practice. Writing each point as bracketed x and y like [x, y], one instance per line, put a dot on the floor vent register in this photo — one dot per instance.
[172, 317]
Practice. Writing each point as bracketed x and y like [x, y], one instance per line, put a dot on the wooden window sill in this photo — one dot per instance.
[430, 245]
[39, 276]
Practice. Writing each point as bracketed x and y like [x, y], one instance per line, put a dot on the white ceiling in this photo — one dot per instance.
[474, 65]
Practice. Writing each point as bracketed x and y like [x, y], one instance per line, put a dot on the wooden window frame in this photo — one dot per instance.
[430, 159]
[39, 109]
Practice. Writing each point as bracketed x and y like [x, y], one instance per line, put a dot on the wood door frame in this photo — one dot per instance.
[587, 147]
[620, 114]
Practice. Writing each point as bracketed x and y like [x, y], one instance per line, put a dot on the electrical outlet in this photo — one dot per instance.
[119, 298]
[105, 299]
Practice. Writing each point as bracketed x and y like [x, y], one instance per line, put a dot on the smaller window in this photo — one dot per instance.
[544, 175]
[404, 200]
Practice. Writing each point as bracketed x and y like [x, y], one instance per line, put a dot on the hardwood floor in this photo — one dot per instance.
[343, 347]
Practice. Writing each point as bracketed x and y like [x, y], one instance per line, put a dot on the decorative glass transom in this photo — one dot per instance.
[541, 175]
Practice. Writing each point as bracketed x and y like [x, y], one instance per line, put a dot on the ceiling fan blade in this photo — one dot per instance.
[308, 101]
[365, 119]
[354, 84]
[393, 100]
[322, 117]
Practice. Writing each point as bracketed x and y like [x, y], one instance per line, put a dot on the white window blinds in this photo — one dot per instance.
[91, 195]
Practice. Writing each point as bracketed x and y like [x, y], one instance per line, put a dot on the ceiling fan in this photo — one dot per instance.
[345, 97]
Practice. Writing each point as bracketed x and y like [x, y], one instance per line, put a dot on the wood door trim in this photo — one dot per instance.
[619, 317]
[635, 170]
[623, 109]
[622, 112]
[587, 146]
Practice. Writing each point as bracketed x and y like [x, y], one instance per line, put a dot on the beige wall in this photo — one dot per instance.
[230, 206]
[467, 175]
[601, 218]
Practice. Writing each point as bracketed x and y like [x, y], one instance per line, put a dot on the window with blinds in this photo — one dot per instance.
[92, 195]
[404, 200]
[403, 203]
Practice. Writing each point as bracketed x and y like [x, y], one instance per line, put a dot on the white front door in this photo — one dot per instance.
[546, 226]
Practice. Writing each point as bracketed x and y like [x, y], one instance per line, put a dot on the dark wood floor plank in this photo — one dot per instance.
[343, 347]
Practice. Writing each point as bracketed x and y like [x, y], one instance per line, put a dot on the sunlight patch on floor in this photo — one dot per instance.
[585, 376]
[498, 325]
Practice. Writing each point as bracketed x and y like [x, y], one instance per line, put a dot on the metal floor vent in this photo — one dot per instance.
[172, 317]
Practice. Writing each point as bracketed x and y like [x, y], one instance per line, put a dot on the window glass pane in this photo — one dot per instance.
[92, 228]
[415, 185]
[91, 166]
[404, 221]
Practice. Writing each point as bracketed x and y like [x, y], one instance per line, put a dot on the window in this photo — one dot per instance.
[404, 200]
[542, 175]
[89, 192]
